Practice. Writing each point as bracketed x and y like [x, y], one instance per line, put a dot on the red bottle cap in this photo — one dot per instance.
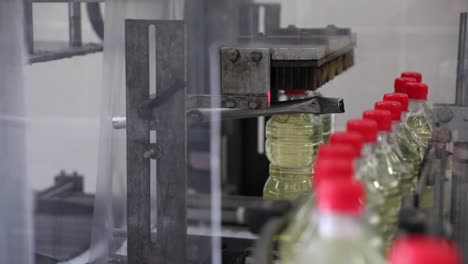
[336, 151]
[382, 117]
[353, 139]
[392, 106]
[332, 168]
[341, 196]
[400, 84]
[424, 250]
[398, 97]
[416, 91]
[367, 129]
[414, 75]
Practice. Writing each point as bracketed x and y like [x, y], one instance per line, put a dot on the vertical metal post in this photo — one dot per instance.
[138, 140]
[74, 24]
[171, 180]
[169, 118]
[28, 25]
[461, 97]
[459, 203]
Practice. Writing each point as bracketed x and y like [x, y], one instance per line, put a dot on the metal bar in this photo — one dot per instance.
[461, 97]
[171, 180]
[138, 140]
[28, 25]
[74, 24]
[459, 204]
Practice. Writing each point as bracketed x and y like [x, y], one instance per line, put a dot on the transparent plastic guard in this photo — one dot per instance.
[163, 59]
[16, 233]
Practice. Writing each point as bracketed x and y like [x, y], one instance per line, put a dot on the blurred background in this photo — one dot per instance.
[64, 96]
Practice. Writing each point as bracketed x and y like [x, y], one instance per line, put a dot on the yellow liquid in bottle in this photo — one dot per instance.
[291, 146]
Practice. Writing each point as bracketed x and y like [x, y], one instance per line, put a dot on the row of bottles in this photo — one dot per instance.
[378, 157]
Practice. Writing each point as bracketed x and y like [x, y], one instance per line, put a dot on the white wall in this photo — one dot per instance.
[393, 36]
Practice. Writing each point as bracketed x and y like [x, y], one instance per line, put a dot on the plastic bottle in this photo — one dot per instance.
[292, 140]
[376, 199]
[418, 119]
[327, 122]
[418, 77]
[340, 235]
[334, 163]
[419, 249]
[406, 132]
[404, 147]
[378, 173]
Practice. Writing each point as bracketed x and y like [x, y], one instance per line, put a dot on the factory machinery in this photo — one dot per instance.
[175, 108]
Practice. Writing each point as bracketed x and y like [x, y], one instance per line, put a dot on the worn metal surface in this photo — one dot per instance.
[171, 133]
[313, 105]
[138, 168]
[245, 72]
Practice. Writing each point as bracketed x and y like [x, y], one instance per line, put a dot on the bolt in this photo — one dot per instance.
[231, 103]
[256, 56]
[154, 151]
[233, 55]
[195, 117]
[253, 105]
[444, 115]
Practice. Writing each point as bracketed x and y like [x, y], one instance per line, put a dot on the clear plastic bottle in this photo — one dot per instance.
[423, 249]
[418, 118]
[291, 144]
[341, 238]
[375, 198]
[333, 162]
[377, 172]
[327, 122]
[420, 121]
[418, 77]
[404, 146]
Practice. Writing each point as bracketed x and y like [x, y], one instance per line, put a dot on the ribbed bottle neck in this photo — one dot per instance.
[383, 137]
[404, 117]
[333, 225]
[396, 127]
[416, 106]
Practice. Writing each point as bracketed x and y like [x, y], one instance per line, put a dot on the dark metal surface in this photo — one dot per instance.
[170, 122]
[451, 124]
[461, 96]
[246, 72]
[28, 25]
[74, 24]
[313, 105]
[49, 51]
[459, 201]
[138, 131]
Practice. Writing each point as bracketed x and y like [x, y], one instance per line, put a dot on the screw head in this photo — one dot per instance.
[253, 104]
[233, 55]
[231, 103]
[444, 115]
[256, 56]
[154, 151]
